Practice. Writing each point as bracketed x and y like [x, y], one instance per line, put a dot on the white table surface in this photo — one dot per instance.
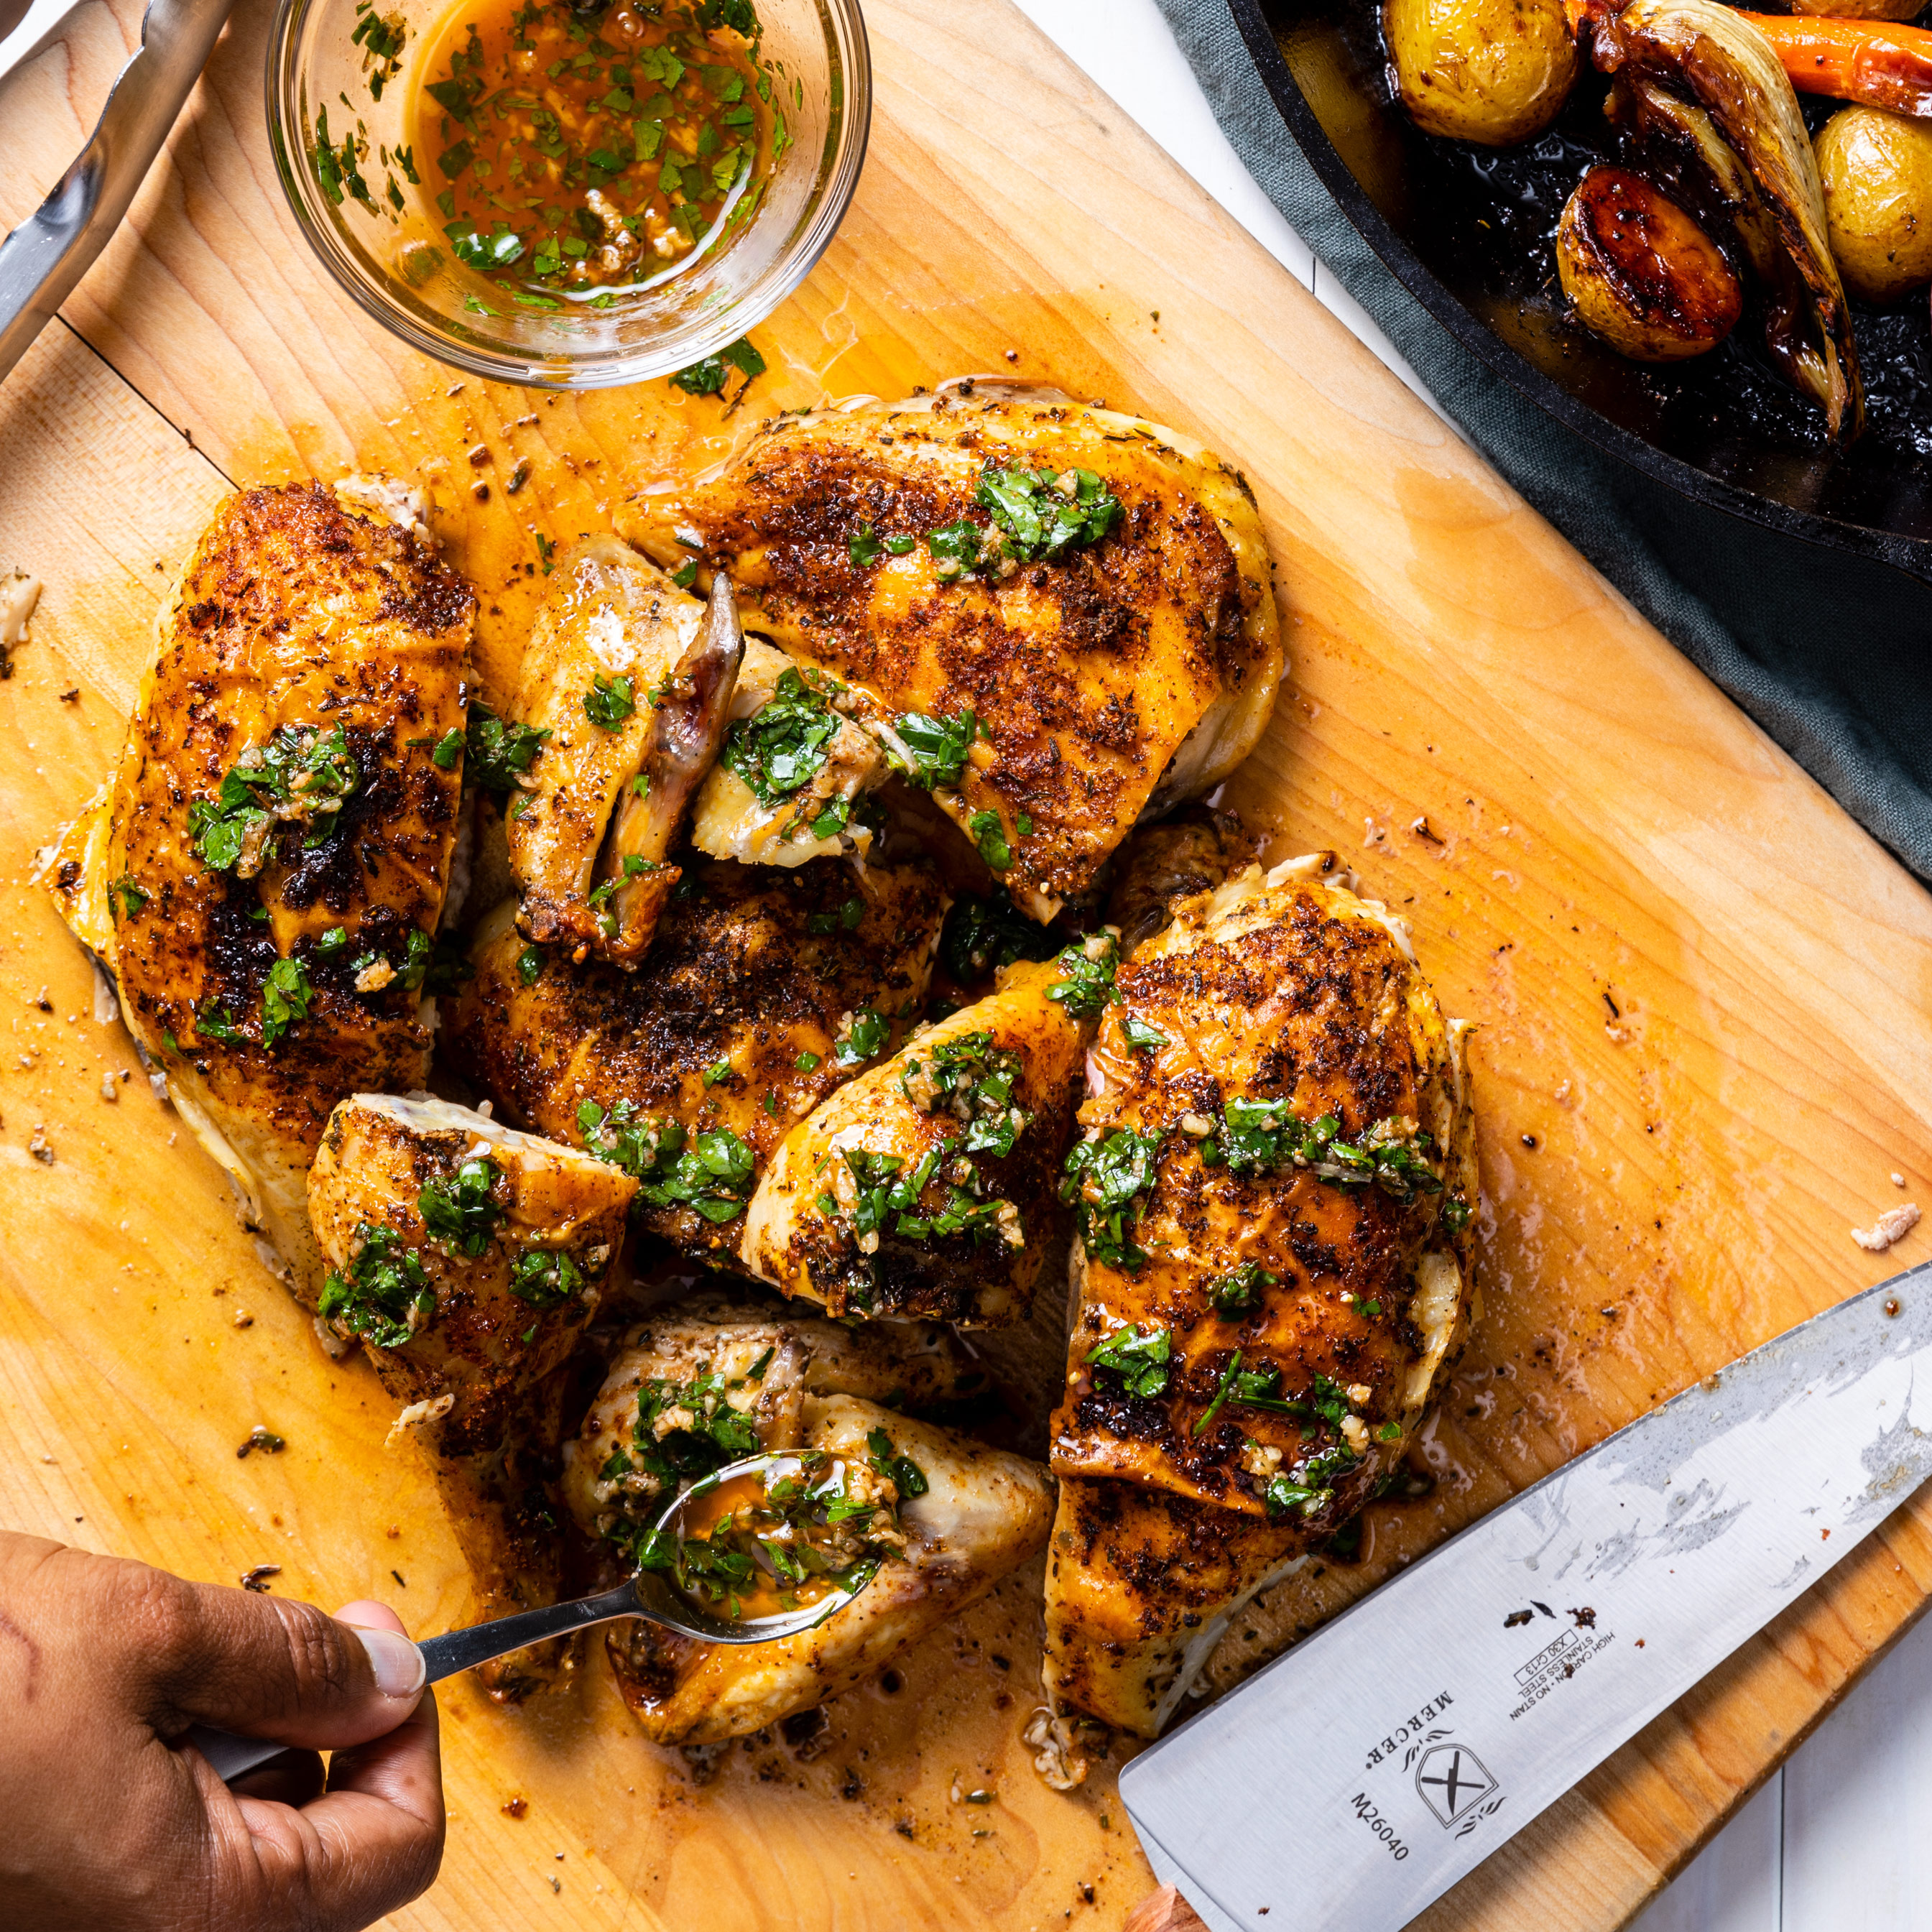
[1840, 1840]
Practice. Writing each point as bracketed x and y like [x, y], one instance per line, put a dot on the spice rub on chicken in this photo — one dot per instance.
[1273, 1197]
[944, 1517]
[1062, 613]
[927, 1187]
[764, 991]
[468, 1259]
[264, 874]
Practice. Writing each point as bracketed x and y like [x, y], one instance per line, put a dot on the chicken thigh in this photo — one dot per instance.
[264, 874]
[1272, 1271]
[764, 991]
[1063, 614]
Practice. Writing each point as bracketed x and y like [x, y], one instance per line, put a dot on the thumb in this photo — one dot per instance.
[266, 1667]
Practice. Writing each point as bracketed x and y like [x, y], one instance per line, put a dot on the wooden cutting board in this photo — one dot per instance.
[1705, 995]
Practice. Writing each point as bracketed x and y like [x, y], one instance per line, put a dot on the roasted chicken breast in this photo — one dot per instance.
[764, 991]
[928, 1185]
[266, 870]
[1272, 1269]
[686, 1396]
[628, 683]
[468, 1259]
[1064, 614]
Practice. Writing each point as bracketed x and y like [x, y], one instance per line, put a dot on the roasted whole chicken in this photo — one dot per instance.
[1274, 1194]
[688, 1394]
[784, 955]
[1059, 617]
[264, 874]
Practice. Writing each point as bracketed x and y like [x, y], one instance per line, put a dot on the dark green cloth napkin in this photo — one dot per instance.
[1831, 654]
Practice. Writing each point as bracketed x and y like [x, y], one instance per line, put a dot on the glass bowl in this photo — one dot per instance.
[387, 247]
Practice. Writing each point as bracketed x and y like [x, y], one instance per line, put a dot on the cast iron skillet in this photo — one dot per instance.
[1470, 232]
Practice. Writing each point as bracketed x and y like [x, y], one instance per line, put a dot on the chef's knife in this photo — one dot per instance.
[1355, 1780]
[48, 252]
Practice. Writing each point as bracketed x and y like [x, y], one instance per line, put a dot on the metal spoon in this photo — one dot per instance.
[648, 1595]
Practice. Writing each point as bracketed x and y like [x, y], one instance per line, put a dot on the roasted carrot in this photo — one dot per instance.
[1874, 62]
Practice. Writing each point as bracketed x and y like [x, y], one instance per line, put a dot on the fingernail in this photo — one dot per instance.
[398, 1665]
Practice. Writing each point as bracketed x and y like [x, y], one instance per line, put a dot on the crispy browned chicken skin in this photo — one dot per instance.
[731, 1027]
[1273, 1270]
[320, 647]
[1109, 675]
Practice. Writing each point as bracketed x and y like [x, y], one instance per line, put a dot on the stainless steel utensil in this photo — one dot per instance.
[43, 258]
[647, 1595]
[1357, 1778]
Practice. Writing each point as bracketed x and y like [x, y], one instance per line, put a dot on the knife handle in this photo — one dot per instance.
[1163, 1911]
[43, 258]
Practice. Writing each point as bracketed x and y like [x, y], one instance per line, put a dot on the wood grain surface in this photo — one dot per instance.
[1705, 996]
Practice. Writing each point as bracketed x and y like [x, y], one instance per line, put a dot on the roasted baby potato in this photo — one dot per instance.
[1642, 274]
[1877, 169]
[1494, 71]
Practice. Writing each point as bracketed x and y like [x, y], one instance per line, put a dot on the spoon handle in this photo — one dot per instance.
[230, 1756]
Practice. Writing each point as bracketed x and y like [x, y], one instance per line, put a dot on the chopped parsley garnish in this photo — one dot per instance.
[498, 752]
[1086, 982]
[973, 1080]
[1310, 1487]
[904, 1474]
[887, 1195]
[690, 1428]
[865, 549]
[939, 746]
[459, 1212]
[1141, 1360]
[1046, 515]
[1257, 1135]
[1140, 1035]
[124, 897]
[530, 965]
[1221, 1389]
[864, 1039]
[384, 1290]
[1104, 1180]
[781, 748]
[300, 773]
[807, 1061]
[1239, 1289]
[447, 748]
[1455, 1212]
[211, 1021]
[609, 701]
[717, 1073]
[285, 999]
[713, 1176]
[544, 1277]
[708, 378]
[955, 548]
[990, 836]
[982, 934]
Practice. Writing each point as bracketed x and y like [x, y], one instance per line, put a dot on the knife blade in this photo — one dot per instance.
[1355, 1780]
[43, 258]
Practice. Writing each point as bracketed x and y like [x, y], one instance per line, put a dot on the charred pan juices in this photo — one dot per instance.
[279, 832]
[764, 991]
[1071, 605]
[1274, 1196]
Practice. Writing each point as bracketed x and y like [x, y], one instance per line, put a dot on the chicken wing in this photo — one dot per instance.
[689, 1397]
[927, 1186]
[764, 991]
[468, 1259]
[628, 681]
[1064, 613]
[266, 871]
[1273, 1194]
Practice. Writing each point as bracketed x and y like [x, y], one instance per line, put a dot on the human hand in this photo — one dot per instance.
[109, 1829]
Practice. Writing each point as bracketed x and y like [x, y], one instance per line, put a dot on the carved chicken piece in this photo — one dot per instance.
[1064, 614]
[765, 991]
[1189, 854]
[716, 1376]
[799, 751]
[969, 1516]
[1273, 1194]
[928, 1186]
[468, 1259]
[264, 875]
[630, 682]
